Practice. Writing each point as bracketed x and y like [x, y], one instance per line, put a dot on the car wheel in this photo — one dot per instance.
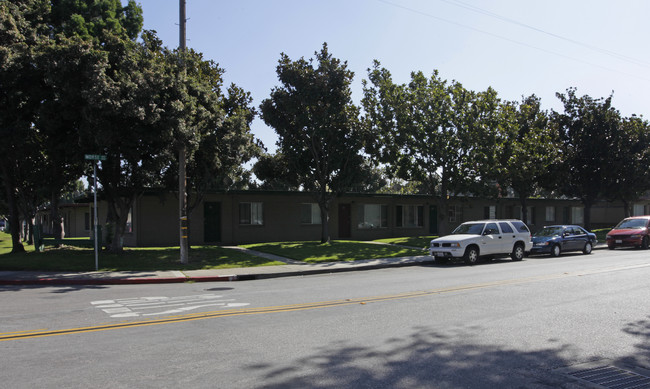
[471, 255]
[555, 250]
[611, 247]
[587, 249]
[517, 252]
[645, 243]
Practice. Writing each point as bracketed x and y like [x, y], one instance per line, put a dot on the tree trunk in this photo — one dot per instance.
[57, 221]
[325, 221]
[12, 203]
[587, 215]
[524, 209]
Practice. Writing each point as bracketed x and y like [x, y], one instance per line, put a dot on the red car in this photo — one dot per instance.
[630, 232]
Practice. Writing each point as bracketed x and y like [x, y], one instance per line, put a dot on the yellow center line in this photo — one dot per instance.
[299, 307]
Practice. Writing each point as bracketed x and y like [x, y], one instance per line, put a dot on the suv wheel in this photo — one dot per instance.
[517, 252]
[471, 255]
[644, 243]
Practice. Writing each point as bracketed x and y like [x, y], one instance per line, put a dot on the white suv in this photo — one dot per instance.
[472, 240]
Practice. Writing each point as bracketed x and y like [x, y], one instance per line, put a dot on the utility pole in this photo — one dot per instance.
[182, 184]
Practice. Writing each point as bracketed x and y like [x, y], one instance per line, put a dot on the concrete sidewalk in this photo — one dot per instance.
[290, 268]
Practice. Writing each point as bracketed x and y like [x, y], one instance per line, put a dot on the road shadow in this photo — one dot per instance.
[425, 359]
[55, 288]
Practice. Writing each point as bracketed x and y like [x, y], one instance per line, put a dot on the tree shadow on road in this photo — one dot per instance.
[426, 359]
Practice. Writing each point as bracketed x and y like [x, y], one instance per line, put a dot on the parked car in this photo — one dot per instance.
[630, 232]
[554, 240]
[472, 240]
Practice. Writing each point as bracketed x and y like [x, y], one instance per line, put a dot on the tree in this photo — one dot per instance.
[628, 177]
[318, 127]
[431, 132]
[585, 126]
[527, 149]
[124, 121]
[21, 28]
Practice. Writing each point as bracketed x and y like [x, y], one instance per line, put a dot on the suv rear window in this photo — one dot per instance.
[521, 227]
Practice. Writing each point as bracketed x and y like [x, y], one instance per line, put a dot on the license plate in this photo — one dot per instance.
[619, 241]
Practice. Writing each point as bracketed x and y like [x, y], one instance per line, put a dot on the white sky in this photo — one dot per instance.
[518, 47]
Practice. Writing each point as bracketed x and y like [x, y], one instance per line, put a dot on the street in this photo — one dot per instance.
[505, 324]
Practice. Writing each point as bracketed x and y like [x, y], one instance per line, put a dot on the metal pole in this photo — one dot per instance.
[95, 214]
[182, 184]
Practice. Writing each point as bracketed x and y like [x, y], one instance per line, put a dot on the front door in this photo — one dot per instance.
[433, 220]
[345, 221]
[211, 222]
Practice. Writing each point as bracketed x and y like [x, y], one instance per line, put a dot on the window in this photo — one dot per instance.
[491, 229]
[250, 213]
[531, 215]
[550, 214]
[577, 215]
[310, 213]
[455, 213]
[373, 216]
[409, 216]
[638, 210]
[505, 228]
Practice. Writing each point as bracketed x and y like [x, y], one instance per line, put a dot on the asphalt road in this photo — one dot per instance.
[529, 324]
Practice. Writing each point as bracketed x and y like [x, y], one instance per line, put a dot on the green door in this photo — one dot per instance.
[433, 220]
[211, 222]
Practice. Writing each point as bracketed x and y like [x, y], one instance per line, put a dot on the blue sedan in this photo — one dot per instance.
[554, 240]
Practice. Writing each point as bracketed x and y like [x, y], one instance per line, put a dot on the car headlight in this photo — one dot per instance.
[636, 236]
[456, 244]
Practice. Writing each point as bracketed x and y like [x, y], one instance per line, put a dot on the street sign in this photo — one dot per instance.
[95, 157]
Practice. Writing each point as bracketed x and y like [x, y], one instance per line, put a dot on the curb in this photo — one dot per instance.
[219, 278]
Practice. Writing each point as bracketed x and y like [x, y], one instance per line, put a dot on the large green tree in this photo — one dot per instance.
[320, 136]
[585, 128]
[628, 176]
[432, 132]
[527, 149]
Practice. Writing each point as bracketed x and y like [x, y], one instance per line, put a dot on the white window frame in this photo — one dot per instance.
[455, 213]
[577, 215]
[255, 211]
[550, 214]
[313, 214]
[373, 216]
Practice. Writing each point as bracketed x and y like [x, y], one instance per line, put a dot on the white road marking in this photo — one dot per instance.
[136, 306]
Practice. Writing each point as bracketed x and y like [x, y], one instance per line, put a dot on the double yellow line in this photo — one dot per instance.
[294, 307]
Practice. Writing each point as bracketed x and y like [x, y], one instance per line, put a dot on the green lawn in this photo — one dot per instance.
[71, 258]
[335, 251]
[411, 241]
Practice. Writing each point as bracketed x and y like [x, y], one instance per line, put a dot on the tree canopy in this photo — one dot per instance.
[320, 136]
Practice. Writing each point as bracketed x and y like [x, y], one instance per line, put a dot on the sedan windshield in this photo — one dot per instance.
[469, 228]
[550, 231]
[631, 223]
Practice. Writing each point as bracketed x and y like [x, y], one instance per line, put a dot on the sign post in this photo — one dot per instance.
[95, 158]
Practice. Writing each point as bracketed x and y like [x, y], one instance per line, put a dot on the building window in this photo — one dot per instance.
[550, 214]
[531, 215]
[638, 210]
[250, 214]
[409, 216]
[455, 213]
[577, 215]
[310, 213]
[373, 216]
[490, 212]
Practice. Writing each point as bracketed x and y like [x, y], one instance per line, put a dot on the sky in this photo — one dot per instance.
[517, 47]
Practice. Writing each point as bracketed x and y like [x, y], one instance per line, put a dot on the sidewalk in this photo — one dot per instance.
[290, 268]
